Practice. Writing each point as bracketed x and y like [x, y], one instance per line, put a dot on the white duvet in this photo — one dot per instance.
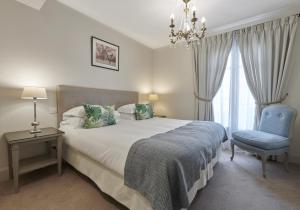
[110, 145]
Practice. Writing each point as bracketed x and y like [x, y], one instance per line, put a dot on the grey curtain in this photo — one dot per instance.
[210, 57]
[266, 51]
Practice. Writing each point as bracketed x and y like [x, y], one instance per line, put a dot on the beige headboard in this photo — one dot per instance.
[71, 96]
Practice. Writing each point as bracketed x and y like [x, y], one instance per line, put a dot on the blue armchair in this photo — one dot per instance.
[273, 136]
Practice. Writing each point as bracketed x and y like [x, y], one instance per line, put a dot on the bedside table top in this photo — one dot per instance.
[160, 116]
[24, 136]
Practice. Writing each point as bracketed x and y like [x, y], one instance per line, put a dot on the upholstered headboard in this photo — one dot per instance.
[71, 96]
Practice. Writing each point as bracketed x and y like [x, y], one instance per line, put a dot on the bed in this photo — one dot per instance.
[102, 154]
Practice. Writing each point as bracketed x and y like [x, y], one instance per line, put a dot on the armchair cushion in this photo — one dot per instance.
[278, 119]
[261, 139]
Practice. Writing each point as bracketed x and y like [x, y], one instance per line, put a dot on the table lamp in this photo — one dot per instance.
[152, 98]
[34, 93]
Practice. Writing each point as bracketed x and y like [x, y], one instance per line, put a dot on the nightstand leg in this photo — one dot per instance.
[49, 148]
[59, 155]
[10, 162]
[15, 166]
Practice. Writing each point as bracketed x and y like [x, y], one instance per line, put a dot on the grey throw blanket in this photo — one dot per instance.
[164, 167]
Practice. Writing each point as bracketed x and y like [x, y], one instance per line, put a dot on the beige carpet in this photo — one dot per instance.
[235, 186]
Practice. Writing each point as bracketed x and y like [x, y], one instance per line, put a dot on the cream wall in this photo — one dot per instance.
[173, 78]
[51, 47]
[294, 94]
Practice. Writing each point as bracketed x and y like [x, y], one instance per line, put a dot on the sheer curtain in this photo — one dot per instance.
[234, 105]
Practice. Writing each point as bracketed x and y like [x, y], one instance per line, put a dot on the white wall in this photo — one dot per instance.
[294, 94]
[173, 77]
[51, 47]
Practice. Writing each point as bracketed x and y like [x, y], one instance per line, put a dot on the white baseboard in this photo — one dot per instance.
[4, 174]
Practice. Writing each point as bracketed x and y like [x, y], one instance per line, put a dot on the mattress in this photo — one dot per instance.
[110, 145]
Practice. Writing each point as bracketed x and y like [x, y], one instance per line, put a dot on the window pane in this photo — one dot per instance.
[234, 105]
[221, 100]
[246, 102]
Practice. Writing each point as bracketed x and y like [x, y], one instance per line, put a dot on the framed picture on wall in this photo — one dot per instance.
[104, 54]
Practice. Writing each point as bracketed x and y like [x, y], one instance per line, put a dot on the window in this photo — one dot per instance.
[234, 105]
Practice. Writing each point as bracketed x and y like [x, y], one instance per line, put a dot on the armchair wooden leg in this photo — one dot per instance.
[286, 161]
[232, 151]
[264, 161]
[257, 156]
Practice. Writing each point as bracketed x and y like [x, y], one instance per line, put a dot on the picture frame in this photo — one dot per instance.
[104, 54]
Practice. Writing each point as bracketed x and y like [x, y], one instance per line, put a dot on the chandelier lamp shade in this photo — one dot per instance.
[189, 29]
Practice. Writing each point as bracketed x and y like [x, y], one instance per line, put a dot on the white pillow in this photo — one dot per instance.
[126, 116]
[77, 111]
[128, 109]
[75, 122]
[117, 116]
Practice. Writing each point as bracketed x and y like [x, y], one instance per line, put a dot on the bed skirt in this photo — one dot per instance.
[112, 183]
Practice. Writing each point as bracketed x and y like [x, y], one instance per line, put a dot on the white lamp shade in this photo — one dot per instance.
[153, 97]
[34, 93]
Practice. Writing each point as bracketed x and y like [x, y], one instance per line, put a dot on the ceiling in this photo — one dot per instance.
[147, 21]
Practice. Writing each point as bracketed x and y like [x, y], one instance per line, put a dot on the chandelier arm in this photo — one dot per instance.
[188, 30]
[173, 34]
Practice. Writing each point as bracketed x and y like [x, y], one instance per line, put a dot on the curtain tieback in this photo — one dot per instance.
[202, 99]
[273, 102]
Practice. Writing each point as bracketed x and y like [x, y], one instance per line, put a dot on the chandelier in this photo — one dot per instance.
[189, 30]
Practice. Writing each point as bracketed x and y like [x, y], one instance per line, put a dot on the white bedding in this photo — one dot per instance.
[110, 145]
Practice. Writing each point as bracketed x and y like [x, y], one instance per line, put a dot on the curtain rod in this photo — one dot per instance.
[237, 30]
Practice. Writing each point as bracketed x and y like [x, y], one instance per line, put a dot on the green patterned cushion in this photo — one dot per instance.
[143, 111]
[98, 116]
